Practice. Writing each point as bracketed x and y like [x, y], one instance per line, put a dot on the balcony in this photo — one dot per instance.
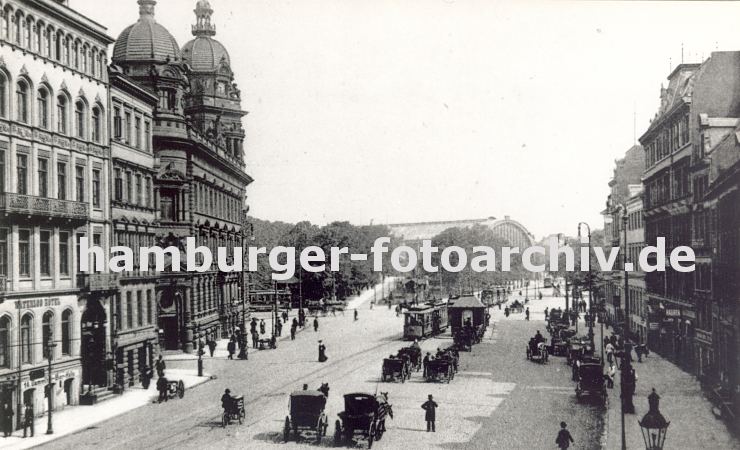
[29, 205]
[98, 282]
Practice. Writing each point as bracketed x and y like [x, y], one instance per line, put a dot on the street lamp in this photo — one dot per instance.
[627, 374]
[590, 286]
[50, 395]
[653, 425]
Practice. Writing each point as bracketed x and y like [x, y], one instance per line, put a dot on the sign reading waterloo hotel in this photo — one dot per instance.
[38, 303]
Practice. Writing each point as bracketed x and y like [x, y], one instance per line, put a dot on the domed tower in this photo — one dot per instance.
[214, 104]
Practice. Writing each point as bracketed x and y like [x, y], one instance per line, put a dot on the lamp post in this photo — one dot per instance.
[627, 376]
[50, 395]
[590, 285]
[653, 425]
[200, 352]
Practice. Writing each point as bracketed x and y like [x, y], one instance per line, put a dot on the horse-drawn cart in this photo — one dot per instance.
[591, 381]
[440, 369]
[363, 414]
[537, 352]
[306, 413]
[395, 369]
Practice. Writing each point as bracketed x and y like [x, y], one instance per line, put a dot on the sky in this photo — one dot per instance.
[389, 111]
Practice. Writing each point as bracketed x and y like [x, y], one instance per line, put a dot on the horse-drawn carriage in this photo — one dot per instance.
[235, 411]
[442, 367]
[591, 381]
[537, 351]
[578, 348]
[364, 414]
[516, 307]
[395, 368]
[464, 339]
[558, 347]
[413, 353]
[306, 413]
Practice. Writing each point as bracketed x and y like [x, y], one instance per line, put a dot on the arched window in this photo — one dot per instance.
[76, 55]
[93, 61]
[29, 33]
[7, 13]
[67, 332]
[18, 28]
[49, 42]
[21, 95]
[47, 333]
[26, 339]
[68, 50]
[96, 124]
[3, 95]
[62, 114]
[84, 59]
[5, 342]
[39, 47]
[80, 119]
[42, 101]
[58, 48]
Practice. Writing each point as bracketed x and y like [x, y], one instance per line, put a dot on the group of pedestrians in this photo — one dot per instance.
[6, 419]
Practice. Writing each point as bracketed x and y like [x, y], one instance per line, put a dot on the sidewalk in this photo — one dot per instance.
[693, 425]
[76, 418]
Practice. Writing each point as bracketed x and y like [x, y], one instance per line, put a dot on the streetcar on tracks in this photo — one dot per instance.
[426, 320]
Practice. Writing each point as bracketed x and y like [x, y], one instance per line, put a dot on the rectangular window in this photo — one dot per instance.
[148, 190]
[139, 309]
[4, 252]
[137, 132]
[63, 253]
[2, 168]
[45, 253]
[22, 171]
[43, 174]
[129, 311]
[62, 181]
[117, 126]
[129, 187]
[78, 256]
[97, 239]
[96, 188]
[80, 183]
[24, 253]
[139, 199]
[147, 136]
[127, 128]
[149, 308]
[118, 186]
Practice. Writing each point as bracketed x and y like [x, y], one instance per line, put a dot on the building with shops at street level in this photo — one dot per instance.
[200, 183]
[54, 187]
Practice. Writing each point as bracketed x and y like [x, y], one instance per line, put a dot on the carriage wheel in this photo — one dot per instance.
[180, 389]
[371, 435]
[286, 429]
[337, 433]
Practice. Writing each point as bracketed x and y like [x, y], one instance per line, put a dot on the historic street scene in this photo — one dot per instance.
[521, 222]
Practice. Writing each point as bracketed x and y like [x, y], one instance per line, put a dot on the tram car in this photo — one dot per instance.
[464, 309]
[422, 321]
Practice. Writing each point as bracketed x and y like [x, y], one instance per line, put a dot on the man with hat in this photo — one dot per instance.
[430, 406]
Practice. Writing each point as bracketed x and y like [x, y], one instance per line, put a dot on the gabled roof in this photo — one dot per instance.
[467, 301]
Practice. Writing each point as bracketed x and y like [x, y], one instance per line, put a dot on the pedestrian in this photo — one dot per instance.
[322, 352]
[285, 316]
[301, 317]
[526, 314]
[610, 376]
[262, 326]
[253, 325]
[28, 419]
[546, 313]
[162, 386]
[506, 311]
[430, 406]
[564, 438]
[293, 329]
[316, 323]
[211, 347]
[160, 366]
[279, 327]
[255, 339]
[609, 352]
[231, 347]
[540, 295]
[355, 315]
[6, 419]
[427, 357]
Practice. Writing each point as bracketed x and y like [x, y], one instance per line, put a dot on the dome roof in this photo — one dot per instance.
[204, 54]
[146, 40]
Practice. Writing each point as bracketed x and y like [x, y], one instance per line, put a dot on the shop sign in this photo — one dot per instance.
[36, 374]
[37, 303]
[689, 314]
[654, 326]
[673, 313]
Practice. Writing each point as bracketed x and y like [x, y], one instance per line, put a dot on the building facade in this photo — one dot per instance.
[134, 224]
[201, 176]
[54, 166]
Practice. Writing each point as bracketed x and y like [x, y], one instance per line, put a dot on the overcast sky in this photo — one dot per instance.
[419, 110]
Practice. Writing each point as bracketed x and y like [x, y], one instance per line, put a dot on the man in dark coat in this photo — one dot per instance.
[160, 366]
[430, 406]
[322, 352]
[211, 346]
[293, 329]
[6, 420]
[162, 385]
[231, 347]
[316, 324]
[28, 419]
[564, 438]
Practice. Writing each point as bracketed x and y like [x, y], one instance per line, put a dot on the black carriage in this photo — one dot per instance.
[395, 369]
[306, 414]
[464, 339]
[440, 369]
[235, 411]
[363, 414]
[413, 353]
[557, 347]
[537, 352]
[591, 382]
[516, 307]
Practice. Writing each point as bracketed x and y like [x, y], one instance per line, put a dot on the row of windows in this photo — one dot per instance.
[132, 129]
[136, 314]
[52, 111]
[43, 39]
[668, 186]
[48, 253]
[216, 203]
[45, 175]
[674, 136]
[133, 188]
[27, 344]
[634, 220]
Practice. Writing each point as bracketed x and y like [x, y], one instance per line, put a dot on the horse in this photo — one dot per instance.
[384, 409]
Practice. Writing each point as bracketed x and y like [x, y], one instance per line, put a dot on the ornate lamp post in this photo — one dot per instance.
[653, 425]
